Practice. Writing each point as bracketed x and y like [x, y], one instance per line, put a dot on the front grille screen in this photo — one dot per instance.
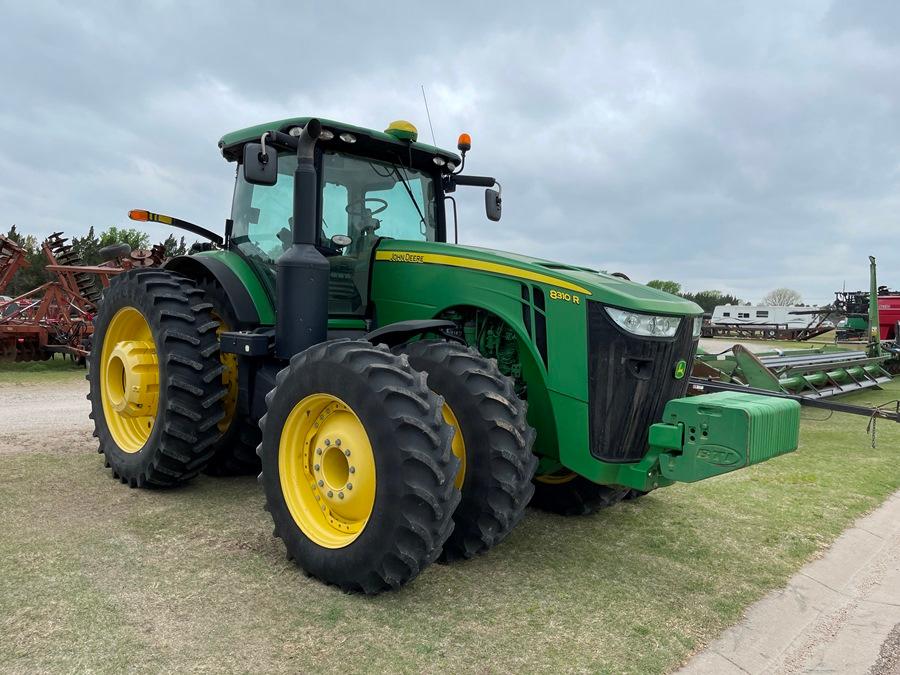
[630, 380]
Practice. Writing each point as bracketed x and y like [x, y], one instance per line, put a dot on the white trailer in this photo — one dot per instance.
[761, 315]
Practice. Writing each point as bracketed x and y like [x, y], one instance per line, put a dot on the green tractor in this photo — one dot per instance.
[404, 398]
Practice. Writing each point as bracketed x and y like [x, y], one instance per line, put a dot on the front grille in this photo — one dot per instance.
[630, 379]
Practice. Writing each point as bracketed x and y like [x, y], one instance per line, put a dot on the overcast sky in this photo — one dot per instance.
[724, 145]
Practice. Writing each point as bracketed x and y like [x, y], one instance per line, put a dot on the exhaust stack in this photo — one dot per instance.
[301, 272]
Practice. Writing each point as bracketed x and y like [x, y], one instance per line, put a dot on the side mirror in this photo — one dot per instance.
[260, 164]
[492, 204]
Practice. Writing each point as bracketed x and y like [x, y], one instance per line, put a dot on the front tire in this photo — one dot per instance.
[569, 494]
[155, 378]
[357, 466]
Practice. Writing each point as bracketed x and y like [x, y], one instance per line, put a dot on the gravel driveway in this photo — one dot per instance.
[50, 416]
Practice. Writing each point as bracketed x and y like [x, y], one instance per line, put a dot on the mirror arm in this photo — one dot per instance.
[455, 222]
[476, 181]
[229, 229]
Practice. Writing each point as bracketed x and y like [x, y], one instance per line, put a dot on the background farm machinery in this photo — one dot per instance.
[56, 317]
[819, 372]
[850, 316]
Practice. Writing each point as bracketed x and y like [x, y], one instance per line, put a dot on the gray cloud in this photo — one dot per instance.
[738, 147]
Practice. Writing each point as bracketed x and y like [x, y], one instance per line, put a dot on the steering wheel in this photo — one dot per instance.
[357, 207]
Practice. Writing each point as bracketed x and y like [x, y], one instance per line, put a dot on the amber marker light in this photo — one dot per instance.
[139, 214]
[464, 144]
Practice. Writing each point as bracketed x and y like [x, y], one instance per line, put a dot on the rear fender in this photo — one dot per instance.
[251, 305]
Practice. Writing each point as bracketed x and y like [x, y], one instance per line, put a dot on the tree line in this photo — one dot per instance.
[780, 297]
[88, 249]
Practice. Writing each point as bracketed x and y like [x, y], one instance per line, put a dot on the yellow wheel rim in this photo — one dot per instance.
[327, 470]
[229, 378]
[129, 379]
[458, 446]
[557, 478]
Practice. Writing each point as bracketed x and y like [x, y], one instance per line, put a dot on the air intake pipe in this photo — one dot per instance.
[301, 272]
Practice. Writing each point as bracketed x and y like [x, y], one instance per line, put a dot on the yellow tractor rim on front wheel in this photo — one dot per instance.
[129, 379]
[557, 478]
[327, 470]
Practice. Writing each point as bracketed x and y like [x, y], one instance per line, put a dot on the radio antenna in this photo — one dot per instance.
[428, 115]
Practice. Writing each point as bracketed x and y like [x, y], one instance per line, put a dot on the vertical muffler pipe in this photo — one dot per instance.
[301, 272]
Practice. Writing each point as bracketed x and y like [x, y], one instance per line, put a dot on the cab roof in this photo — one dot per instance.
[231, 144]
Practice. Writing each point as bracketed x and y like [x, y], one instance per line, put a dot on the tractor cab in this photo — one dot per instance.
[371, 186]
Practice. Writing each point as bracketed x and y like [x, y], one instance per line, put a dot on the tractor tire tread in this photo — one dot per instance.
[495, 503]
[235, 451]
[422, 514]
[181, 447]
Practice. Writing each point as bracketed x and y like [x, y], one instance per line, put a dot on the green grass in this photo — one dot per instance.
[56, 368]
[94, 576]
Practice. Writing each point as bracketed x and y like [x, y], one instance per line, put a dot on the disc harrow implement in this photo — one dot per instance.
[57, 316]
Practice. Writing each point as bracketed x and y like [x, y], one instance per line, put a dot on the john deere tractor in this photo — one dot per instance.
[404, 397]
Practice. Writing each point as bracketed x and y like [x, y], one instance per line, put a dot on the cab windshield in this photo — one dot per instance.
[361, 200]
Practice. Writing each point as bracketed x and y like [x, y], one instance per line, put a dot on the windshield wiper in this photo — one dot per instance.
[395, 169]
[412, 198]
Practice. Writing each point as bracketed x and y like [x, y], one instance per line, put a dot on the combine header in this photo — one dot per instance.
[815, 373]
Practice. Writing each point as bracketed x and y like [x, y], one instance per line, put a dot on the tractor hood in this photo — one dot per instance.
[598, 286]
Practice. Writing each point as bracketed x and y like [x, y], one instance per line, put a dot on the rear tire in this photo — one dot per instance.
[155, 350]
[496, 442]
[569, 494]
[235, 452]
[372, 521]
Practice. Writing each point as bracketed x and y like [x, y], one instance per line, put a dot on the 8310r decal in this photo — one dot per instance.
[568, 297]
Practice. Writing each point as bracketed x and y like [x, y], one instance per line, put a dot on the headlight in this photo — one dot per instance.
[698, 326]
[645, 324]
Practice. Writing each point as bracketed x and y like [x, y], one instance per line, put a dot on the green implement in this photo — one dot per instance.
[815, 373]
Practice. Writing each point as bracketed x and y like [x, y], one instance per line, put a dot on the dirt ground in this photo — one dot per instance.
[49, 417]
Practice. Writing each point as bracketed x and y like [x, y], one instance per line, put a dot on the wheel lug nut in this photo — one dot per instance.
[347, 452]
[349, 486]
[327, 442]
[341, 495]
[316, 467]
[330, 493]
[338, 442]
[318, 451]
[321, 483]
[352, 469]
